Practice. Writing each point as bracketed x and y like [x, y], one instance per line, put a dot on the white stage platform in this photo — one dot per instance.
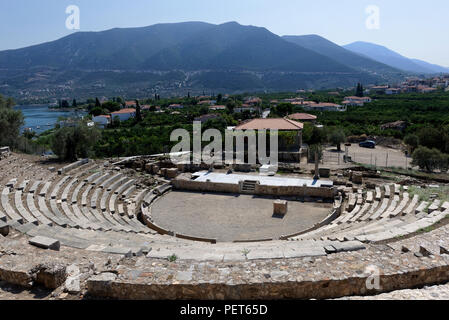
[264, 180]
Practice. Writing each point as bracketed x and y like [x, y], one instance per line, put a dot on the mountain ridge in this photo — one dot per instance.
[389, 57]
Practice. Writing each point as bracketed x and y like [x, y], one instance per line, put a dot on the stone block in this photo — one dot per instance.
[280, 207]
[45, 243]
[171, 173]
[357, 177]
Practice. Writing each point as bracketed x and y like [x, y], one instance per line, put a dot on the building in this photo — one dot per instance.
[217, 108]
[176, 106]
[280, 124]
[102, 121]
[397, 125]
[206, 117]
[130, 104]
[208, 102]
[124, 114]
[246, 107]
[302, 117]
[392, 91]
[378, 89]
[358, 99]
[253, 101]
[294, 100]
[325, 106]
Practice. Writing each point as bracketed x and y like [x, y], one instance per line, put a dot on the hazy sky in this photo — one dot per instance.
[415, 28]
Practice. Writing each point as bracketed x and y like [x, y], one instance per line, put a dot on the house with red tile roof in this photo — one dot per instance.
[102, 121]
[280, 124]
[130, 104]
[304, 117]
[124, 114]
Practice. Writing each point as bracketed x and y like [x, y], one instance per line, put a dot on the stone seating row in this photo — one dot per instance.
[67, 213]
[392, 210]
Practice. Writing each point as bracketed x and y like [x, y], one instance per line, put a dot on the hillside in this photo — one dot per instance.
[388, 57]
[186, 46]
[339, 54]
[179, 58]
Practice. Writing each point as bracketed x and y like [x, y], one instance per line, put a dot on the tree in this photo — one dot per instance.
[428, 159]
[138, 112]
[111, 106]
[337, 137]
[230, 106]
[74, 104]
[97, 103]
[64, 104]
[412, 141]
[219, 98]
[430, 137]
[10, 122]
[96, 111]
[359, 90]
[70, 143]
[284, 109]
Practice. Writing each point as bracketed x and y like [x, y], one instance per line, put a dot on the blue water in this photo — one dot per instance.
[40, 118]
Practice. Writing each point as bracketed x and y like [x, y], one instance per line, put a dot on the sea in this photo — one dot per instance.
[40, 118]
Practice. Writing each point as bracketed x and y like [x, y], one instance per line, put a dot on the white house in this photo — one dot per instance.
[124, 114]
[393, 91]
[102, 121]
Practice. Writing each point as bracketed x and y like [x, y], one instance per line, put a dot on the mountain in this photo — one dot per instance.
[389, 57]
[181, 58]
[117, 48]
[433, 67]
[186, 46]
[339, 54]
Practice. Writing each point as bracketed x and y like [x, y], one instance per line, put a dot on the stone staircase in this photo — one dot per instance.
[248, 186]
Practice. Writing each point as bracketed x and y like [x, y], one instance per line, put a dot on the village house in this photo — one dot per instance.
[325, 106]
[102, 121]
[124, 114]
[297, 100]
[130, 104]
[217, 108]
[206, 117]
[397, 125]
[253, 101]
[176, 106]
[356, 101]
[391, 91]
[379, 89]
[208, 102]
[246, 107]
[302, 117]
[289, 136]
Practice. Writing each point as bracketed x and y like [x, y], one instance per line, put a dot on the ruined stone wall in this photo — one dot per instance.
[325, 193]
[320, 289]
[205, 186]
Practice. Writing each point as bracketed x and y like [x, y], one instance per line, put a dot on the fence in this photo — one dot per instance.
[379, 159]
[29, 147]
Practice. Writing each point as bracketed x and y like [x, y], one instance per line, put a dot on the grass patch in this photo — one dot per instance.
[424, 194]
[173, 258]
